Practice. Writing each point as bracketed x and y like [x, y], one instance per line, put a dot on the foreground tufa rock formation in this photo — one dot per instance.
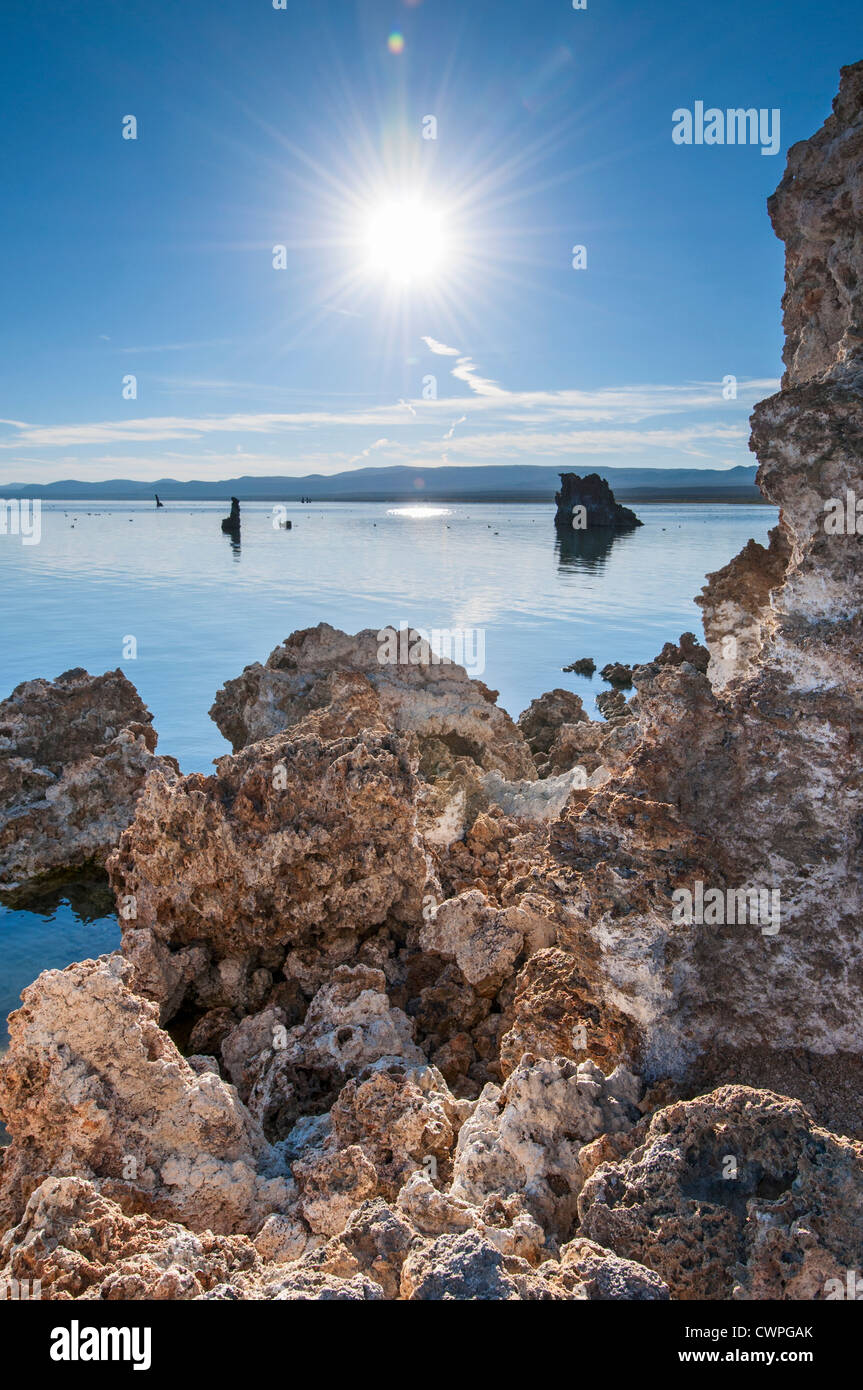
[74, 754]
[451, 715]
[293, 846]
[748, 780]
[81, 1245]
[441, 989]
[92, 1087]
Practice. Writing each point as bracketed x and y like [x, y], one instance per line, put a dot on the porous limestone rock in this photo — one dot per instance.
[79, 1244]
[73, 1242]
[735, 1194]
[454, 1021]
[282, 916]
[448, 807]
[282, 1239]
[434, 699]
[91, 1087]
[556, 1013]
[736, 608]
[495, 852]
[294, 1284]
[374, 1243]
[617, 674]
[404, 1118]
[484, 941]
[752, 783]
[544, 717]
[469, 1266]
[543, 800]
[74, 755]
[525, 1137]
[563, 740]
[595, 746]
[816, 211]
[504, 1221]
[333, 1183]
[612, 704]
[606, 1277]
[284, 1073]
[687, 649]
[292, 844]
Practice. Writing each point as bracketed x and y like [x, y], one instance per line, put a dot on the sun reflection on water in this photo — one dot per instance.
[419, 513]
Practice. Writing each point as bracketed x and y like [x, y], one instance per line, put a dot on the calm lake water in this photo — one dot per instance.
[200, 608]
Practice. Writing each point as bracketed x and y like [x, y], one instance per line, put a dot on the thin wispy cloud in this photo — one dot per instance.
[372, 448]
[517, 426]
[491, 448]
[441, 349]
[466, 371]
[620, 405]
[176, 347]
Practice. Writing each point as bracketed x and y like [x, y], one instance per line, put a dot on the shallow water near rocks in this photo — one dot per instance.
[72, 921]
[200, 607]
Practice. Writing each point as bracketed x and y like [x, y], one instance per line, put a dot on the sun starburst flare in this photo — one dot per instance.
[405, 240]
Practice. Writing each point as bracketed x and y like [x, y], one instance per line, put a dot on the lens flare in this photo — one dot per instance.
[396, 42]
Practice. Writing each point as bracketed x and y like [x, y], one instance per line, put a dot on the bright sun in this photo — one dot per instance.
[405, 240]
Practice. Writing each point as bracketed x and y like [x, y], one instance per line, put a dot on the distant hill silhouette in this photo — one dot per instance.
[497, 482]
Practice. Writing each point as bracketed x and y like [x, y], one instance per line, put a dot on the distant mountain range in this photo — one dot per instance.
[495, 483]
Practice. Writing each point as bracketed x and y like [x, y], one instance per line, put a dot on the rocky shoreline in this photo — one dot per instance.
[418, 1002]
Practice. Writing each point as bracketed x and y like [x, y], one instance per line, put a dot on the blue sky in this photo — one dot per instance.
[260, 127]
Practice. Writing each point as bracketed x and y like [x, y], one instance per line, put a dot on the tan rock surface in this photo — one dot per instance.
[451, 715]
[750, 782]
[291, 844]
[79, 1244]
[525, 1137]
[91, 1087]
[74, 755]
[350, 1024]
